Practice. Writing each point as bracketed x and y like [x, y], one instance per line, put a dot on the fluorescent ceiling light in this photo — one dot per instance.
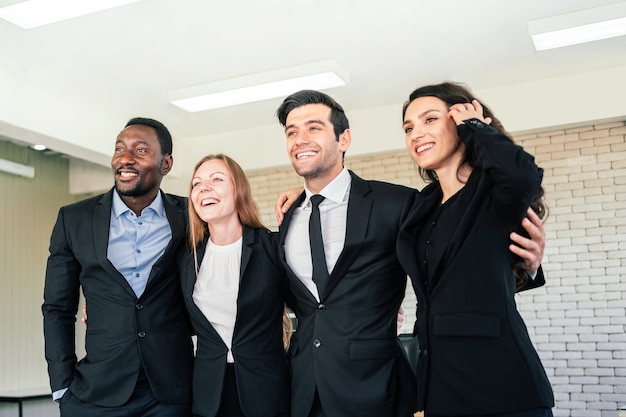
[258, 87]
[39, 147]
[579, 27]
[33, 13]
[17, 169]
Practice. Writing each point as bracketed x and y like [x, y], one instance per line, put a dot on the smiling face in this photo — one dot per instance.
[138, 164]
[213, 193]
[312, 145]
[431, 135]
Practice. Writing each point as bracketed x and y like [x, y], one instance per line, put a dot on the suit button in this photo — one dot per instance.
[141, 334]
[138, 306]
[317, 343]
[321, 307]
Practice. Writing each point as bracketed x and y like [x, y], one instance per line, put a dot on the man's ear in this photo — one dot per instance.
[344, 140]
[166, 164]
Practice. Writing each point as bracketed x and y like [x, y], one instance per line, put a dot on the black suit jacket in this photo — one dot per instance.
[261, 367]
[346, 347]
[124, 333]
[476, 357]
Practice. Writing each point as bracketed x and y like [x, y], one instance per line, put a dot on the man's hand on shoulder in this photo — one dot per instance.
[530, 249]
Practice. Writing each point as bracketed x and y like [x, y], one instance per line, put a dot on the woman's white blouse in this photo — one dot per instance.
[217, 288]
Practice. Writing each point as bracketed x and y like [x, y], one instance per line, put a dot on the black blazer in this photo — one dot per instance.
[261, 367]
[123, 333]
[476, 356]
[346, 347]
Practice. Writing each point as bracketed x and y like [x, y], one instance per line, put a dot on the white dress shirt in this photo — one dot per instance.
[333, 214]
[217, 288]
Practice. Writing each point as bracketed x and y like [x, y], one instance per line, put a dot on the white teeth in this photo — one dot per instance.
[208, 201]
[305, 154]
[424, 147]
[128, 174]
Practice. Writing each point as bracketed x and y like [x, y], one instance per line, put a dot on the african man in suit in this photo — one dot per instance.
[119, 247]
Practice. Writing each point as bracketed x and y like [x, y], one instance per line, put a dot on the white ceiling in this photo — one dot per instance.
[73, 84]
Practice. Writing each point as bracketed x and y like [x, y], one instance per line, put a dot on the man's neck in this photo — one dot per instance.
[316, 184]
[138, 203]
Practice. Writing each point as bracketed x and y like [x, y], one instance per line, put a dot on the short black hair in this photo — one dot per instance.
[301, 98]
[164, 136]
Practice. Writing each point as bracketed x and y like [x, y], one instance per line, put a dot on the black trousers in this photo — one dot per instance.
[229, 406]
[142, 403]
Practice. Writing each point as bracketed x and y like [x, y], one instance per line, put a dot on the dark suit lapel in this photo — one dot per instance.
[472, 195]
[248, 239]
[407, 238]
[432, 196]
[358, 217]
[189, 277]
[282, 234]
[101, 226]
[176, 217]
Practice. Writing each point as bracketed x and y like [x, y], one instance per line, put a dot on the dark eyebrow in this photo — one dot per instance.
[308, 122]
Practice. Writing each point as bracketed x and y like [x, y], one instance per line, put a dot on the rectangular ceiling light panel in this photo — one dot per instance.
[33, 13]
[579, 27]
[17, 169]
[258, 87]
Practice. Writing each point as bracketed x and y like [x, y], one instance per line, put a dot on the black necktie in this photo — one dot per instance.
[320, 270]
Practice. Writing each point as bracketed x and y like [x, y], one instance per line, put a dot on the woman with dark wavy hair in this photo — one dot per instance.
[476, 357]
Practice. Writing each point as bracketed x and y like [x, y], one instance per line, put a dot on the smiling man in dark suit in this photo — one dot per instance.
[119, 247]
[345, 356]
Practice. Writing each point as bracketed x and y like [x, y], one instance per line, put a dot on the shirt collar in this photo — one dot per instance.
[336, 191]
[118, 206]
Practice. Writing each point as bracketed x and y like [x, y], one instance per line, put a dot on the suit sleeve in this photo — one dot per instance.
[61, 295]
[539, 281]
[516, 176]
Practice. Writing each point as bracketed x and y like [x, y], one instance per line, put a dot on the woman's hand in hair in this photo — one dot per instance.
[464, 111]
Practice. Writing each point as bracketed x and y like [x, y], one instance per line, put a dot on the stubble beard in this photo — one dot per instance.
[307, 172]
[139, 189]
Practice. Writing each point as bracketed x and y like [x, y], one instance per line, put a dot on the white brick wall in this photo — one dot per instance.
[578, 320]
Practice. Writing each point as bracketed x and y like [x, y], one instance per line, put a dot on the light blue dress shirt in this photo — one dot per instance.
[137, 242]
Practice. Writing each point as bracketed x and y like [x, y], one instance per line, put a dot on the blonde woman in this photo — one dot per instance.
[234, 289]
